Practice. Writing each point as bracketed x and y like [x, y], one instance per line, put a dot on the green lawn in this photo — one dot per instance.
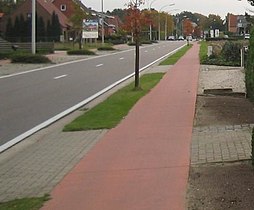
[24, 204]
[175, 57]
[110, 112]
[203, 50]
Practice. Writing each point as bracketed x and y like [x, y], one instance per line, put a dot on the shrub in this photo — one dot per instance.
[29, 58]
[5, 55]
[252, 147]
[80, 52]
[249, 73]
[106, 48]
[231, 51]
[133, 44]
[146, 42]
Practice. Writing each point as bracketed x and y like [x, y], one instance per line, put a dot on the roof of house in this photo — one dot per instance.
[1, 14]
[82, 6]
[50, 8]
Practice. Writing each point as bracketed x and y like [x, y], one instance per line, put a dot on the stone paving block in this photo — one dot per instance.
[221, 143]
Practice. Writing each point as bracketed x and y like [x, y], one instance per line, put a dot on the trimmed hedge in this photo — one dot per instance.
[146, 42]
[29, 58]
[106, 48]
[252, 147]
[80, 52]
[249, 73]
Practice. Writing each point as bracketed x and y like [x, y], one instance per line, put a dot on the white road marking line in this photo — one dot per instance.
[62, 76]
[121, 58]
[146, 51]
[99, 65]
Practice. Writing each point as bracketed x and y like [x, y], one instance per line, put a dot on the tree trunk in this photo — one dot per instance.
[137, 61]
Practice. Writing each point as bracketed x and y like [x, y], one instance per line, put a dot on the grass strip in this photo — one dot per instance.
[110, 112]
[24, 204]
[203, 51]
[171, 60]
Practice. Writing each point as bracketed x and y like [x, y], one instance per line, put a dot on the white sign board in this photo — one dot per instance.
[90, 29]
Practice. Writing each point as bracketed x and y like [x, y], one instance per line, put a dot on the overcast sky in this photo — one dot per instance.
[205, 7]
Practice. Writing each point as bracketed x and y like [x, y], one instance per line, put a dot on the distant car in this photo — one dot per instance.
[171, 38]
[180, 38]
[246, 36]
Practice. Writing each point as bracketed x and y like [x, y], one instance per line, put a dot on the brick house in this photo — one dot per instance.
[44, 9]
[237, 24]
[64, 10]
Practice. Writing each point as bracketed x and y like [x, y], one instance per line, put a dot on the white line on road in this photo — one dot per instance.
[99, 65]
[121, 58]
[146, 51]
[62, 76]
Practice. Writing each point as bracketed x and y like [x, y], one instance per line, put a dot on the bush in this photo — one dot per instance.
[252, 147]
[5, 55]
[231, 51]
[249, 73]
[133, 44]
[29, 58]
[80, 52]
[147, 42]
[106, 48]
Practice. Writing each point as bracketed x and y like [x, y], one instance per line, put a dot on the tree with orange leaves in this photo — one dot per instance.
[133, 24]
[187, 27]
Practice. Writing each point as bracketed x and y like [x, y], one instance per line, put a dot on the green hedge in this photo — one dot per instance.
[249, 73]
[29, 58]
[252, 147]
[80, 52]
[106, 48]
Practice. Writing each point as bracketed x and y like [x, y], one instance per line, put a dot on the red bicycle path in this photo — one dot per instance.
[144, 162]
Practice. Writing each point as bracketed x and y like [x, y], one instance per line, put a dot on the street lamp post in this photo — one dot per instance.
[168, 5]
[102, 23]
[150, 26]
[33, 26]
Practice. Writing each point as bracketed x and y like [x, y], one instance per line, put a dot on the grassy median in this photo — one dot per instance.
[171, 60]
[110, 112]
[24, 204]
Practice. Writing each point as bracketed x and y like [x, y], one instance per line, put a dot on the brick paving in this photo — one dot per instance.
[211, 144]
[37, 168]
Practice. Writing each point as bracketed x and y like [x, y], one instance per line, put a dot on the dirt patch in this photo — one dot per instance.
[220, 186]
[223, 110]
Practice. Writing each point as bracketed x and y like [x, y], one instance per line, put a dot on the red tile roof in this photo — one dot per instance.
[48, 6]
[1, 14]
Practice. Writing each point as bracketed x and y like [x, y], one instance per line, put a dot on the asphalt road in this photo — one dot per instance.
[29, 99]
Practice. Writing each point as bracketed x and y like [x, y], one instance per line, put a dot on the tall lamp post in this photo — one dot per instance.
[168, 5]
[166, 23]
[150, 26]
[102, 23]
[33, 26]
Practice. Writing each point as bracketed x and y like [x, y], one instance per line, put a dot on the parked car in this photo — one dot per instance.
[180, 38]
[171, 38]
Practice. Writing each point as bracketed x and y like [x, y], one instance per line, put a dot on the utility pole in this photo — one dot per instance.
[102, 23]
[33, 26]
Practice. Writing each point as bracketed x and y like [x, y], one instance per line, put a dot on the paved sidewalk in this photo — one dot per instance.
[143, 163]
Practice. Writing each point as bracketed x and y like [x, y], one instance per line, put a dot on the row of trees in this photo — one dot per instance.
[184, 23]
[20, 30]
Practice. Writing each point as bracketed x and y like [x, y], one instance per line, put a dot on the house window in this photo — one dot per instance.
[63, 7]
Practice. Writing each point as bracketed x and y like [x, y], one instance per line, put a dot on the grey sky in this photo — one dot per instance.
[205, 7]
